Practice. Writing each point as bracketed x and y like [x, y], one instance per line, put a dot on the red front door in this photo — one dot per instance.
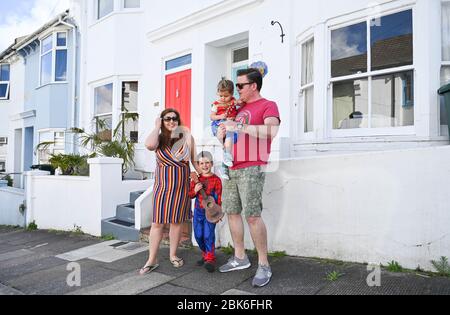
[178, 94]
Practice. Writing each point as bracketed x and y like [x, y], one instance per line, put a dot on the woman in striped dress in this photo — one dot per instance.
[174, 147]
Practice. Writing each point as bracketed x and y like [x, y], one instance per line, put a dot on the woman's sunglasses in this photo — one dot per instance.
[168, 119]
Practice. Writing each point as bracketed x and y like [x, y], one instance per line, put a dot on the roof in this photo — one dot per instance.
[24, 40]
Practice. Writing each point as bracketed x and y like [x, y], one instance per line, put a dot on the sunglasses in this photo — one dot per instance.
[240, 86]
[174, 119]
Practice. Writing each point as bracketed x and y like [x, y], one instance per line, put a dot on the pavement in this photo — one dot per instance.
[57, 263]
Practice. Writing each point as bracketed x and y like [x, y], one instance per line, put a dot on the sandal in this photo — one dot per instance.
[148, 269]
[177, 263]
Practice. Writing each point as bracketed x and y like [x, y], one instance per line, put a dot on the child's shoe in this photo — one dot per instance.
[210, 267]
[228, 159]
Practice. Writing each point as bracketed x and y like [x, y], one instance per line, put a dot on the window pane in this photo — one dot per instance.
[393, 100]
[131, 4]
[4, 90]
[129, 96]
[446, 31]
[350, 104]
[445, 79]
[240, 55]
[104, 127]
[46, 68]
[392, 41]
[349, 50]
[179, 62]
[308, 94]
[4, 73]
[132, 129]
[105, 7]
[59, 140]
[308, 62]
[103, 99]
[47, 44]
[61, 40]
[61, 65]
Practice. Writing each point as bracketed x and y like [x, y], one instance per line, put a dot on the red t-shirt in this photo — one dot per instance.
[251, 151]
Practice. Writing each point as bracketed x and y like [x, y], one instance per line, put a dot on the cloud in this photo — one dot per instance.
[16, 25]
[342, 46]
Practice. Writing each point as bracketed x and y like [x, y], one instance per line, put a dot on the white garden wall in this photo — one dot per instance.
[370, 207]
[66, 203]
[10, 201]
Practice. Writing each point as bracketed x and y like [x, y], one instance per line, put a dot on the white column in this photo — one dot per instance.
[106, 174]
[29, 193]
[427, 52]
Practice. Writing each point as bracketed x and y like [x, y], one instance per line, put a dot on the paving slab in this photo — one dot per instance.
[170, 289]
[53, 281]
[127, 284]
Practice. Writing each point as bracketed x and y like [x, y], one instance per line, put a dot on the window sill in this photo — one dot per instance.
[51, 83]
[106, 17]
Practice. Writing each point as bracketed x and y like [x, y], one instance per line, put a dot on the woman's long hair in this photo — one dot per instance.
[168, 138]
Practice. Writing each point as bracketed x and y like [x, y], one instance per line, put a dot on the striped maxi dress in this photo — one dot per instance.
[171, 202]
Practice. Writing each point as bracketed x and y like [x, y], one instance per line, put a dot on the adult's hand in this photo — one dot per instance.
[158, 123]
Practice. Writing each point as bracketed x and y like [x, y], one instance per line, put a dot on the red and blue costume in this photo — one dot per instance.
[204, 231]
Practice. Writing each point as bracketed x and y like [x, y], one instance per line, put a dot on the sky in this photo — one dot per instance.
[23, 17]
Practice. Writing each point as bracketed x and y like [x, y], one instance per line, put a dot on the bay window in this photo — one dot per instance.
[372, 73]
[54, 58]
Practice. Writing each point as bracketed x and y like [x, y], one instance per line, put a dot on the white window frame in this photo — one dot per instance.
[121, 82]
[301, 94]
[114, 93]
[444, 63]
[8, 83]
[52, 148]
[55, 48]
[131, 9]
[237, 46]
[358, 132]
[97, 12]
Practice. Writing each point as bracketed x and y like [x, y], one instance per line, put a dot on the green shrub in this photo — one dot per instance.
[394, 266]
[32, 226]
[442, 266]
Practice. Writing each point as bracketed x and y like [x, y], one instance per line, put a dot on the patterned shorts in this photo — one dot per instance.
[242, 194]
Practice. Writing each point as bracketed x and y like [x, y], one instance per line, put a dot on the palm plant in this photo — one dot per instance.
[101, 143]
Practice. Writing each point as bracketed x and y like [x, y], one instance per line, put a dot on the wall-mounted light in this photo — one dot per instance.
[282, 31]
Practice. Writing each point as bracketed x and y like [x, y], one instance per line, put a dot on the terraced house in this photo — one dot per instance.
[358, 164]
[40, 91]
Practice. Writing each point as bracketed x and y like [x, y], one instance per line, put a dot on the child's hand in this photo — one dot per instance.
[198, 187]
[223, 116]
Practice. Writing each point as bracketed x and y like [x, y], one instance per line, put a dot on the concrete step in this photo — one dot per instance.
[121, 230]
[135, 195]
[125, 213]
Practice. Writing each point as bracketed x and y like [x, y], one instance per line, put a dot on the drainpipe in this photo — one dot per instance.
[74, 78]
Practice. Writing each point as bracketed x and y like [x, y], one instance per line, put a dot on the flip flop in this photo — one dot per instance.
[177, 263]
[148, 269]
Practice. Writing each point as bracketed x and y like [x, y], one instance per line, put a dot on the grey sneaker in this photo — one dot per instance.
[235, 264]
[263, 276]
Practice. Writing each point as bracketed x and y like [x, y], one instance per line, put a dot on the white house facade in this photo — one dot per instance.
[42, 95]
[360, 167]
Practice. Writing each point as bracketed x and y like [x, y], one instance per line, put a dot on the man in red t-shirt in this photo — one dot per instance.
[257, 122]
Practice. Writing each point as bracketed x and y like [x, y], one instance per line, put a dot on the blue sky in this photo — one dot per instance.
[22, 17]
[15, 7]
